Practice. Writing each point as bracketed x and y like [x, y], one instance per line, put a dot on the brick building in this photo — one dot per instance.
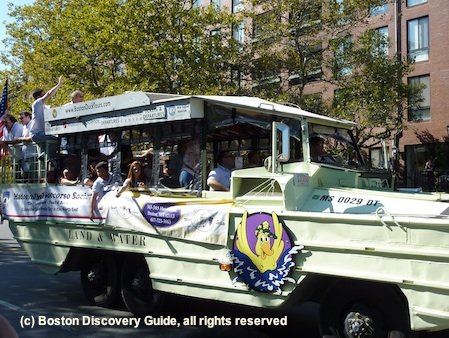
[417, 29]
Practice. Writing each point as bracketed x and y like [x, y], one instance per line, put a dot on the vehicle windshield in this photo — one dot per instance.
[333, 146]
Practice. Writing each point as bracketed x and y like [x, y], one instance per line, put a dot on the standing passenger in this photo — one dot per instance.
[37, 129]
[29, 150]
[77, 96]
[12, 132]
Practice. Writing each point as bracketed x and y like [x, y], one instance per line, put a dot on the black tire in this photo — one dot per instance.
[100, 280]
[137, 292]
[380, 310]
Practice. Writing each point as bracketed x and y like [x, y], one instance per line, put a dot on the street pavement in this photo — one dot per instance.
[27, 293]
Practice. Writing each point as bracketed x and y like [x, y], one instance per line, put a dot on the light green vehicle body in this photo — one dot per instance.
[350, 225]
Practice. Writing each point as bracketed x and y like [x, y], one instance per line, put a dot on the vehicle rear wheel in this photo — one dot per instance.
[363, 310]
[137, 291]
[100, 280]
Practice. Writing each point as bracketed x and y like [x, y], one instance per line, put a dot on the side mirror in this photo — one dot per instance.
[280, 143]
[284, 154]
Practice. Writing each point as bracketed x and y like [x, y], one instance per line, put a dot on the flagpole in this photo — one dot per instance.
[3, 111]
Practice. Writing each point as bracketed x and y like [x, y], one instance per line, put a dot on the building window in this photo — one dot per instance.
[268, 77]
[307, 17]
[313, 70]
[377, 158]
[383, 32]
[344, 12]
[216, 4]
[260, 22]
[418, 39]
[121, 68]
[238, 32]
[236, 77]
[378, 10]
[340, 6]
[342, 65]
[215, 32]
[419, 104]
[237, 6]
[411, 3]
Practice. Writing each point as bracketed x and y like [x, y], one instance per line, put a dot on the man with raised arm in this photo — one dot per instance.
[37, 129]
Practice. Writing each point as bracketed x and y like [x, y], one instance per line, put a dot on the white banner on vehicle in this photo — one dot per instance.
[58, 203]
[190, 220]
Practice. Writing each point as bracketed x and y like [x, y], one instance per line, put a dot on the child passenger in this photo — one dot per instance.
[135, 179]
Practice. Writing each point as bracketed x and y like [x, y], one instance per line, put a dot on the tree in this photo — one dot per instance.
[106, 47]
[176, 50]
[302, 42]
[372, 91]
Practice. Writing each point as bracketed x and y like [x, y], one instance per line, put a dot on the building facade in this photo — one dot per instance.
[417, 29]
[424, 27]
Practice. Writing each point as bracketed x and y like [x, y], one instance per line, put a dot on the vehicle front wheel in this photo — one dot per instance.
[137, 291]
[100, 280]
[353, 310]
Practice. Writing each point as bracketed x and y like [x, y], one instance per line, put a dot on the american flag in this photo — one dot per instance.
[4, 100]
[3, 108]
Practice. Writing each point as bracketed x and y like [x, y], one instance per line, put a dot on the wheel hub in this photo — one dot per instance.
[95, 275]
[137, 283]
[358, 325]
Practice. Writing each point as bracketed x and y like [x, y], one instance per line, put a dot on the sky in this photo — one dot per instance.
[4, 17]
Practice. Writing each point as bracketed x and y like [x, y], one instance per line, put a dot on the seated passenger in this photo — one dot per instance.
[190, 159]
[71, 170]
[69, 177]
[170, 178]
[317, 153]
[253, 159]
[135, 179]
[219, 179]
[91, 174]
[102, 185]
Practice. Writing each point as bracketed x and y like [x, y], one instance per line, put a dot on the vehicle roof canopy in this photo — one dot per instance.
[137, 108]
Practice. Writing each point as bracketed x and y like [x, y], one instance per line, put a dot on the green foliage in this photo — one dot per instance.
[106, 47]
[372, 92]
[327, 41]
